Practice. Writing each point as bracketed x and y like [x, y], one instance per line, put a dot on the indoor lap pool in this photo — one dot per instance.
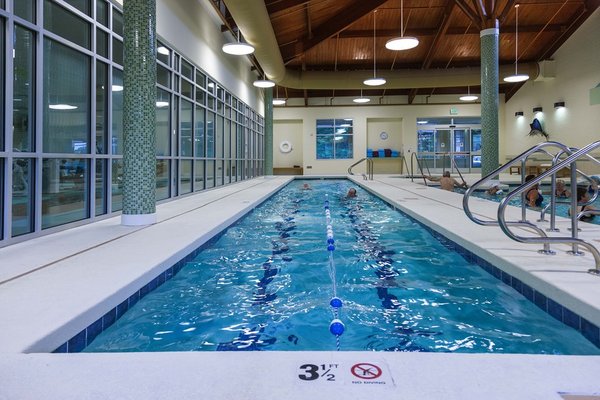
[314, 269]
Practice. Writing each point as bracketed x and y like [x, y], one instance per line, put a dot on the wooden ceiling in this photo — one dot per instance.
[337, 35]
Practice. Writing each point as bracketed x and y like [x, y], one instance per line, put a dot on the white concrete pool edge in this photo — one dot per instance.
[276, 375]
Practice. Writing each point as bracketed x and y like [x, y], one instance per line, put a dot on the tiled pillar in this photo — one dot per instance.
[268, 131]
[139, 113]
[489, 99]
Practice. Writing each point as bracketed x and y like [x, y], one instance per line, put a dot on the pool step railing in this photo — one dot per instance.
[369, 174]
[542, 238]
[412, 171]
[551, 206]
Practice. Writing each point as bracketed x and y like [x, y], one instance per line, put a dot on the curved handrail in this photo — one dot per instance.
[453, 161]
[520, 158]
[369, 167]
[574, 240]
[412, 175]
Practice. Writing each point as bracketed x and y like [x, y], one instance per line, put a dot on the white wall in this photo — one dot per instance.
[577, 71]
[193, 28]
[362, 115]
[291, 132]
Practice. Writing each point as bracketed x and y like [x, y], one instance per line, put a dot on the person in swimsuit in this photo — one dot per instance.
[561, 190]
[583, 197]
[447, 182]
[533, 196]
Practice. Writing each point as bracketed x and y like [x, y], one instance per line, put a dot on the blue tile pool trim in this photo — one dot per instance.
[589, 330]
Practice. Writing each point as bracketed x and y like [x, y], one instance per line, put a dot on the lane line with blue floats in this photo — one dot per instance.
[336, 327]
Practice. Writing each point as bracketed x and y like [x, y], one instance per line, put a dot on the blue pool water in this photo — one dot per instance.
[264, 284]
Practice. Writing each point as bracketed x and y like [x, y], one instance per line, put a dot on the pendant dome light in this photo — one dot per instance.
[468, 96]
[374, 81]
[277, 101]
[238, 48]
[402, 42]
[263, 83]
[361, 99]
[516, 77]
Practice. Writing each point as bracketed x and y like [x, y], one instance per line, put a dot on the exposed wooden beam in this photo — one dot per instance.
[421, 32]
[505, 11]
[468, 11]
[412, 95]
[443, 26]
[282, 5]
[331, 27]
[480, 8]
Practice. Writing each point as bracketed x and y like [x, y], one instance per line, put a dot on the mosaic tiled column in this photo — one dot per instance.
[139, 113]
[489, 100]
[268, 131]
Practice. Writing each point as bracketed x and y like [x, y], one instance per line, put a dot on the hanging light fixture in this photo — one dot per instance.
[374, 81]
[278, 101]
[516, 77]
[361, 99]
[238, 48]
[402, 42]
[263, 83]
[468, 96]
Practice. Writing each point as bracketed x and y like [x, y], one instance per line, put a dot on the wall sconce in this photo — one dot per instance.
[519, 114]
[537, 109]
[559, 104]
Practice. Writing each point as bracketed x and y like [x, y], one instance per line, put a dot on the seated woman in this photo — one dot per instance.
[561, 190]
[533, 195]
[582, 198]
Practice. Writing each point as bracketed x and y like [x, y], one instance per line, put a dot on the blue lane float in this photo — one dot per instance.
[336, 327]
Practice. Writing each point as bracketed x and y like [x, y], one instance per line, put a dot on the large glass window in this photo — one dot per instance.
[81, 5]
[23, 90]
[162, 179]
[101, 43]
[185, 128]
[102, 106]
[117, 51]
[101, 187]
[22, 196]
[163, 130]
[117, 113]
[25, 9]
[198, 175]
[62, 22]
[117, 185]
[210, 134]
[199, 132]
[66, 99]
[219, 137]
[334, 139]
[185, 179]
[117, 22]
[65, 191]
[163, 54]
[102, 12]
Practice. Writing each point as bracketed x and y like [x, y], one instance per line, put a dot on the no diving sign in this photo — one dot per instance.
[358, 373]
[366, 371]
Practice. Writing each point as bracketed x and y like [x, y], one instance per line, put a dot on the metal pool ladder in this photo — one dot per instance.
[570, 163]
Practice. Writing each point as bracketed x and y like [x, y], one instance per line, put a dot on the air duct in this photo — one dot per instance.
[253, 20]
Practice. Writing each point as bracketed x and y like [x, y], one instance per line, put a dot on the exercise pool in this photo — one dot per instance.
[265, 284]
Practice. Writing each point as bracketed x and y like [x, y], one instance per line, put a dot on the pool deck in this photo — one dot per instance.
[54, 286]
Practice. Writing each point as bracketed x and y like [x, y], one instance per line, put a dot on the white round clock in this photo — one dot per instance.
[383, 135]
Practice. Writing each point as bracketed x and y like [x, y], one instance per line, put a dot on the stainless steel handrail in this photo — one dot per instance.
[574, 240]
[412, 175]
[520, 158]
[369, 167]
